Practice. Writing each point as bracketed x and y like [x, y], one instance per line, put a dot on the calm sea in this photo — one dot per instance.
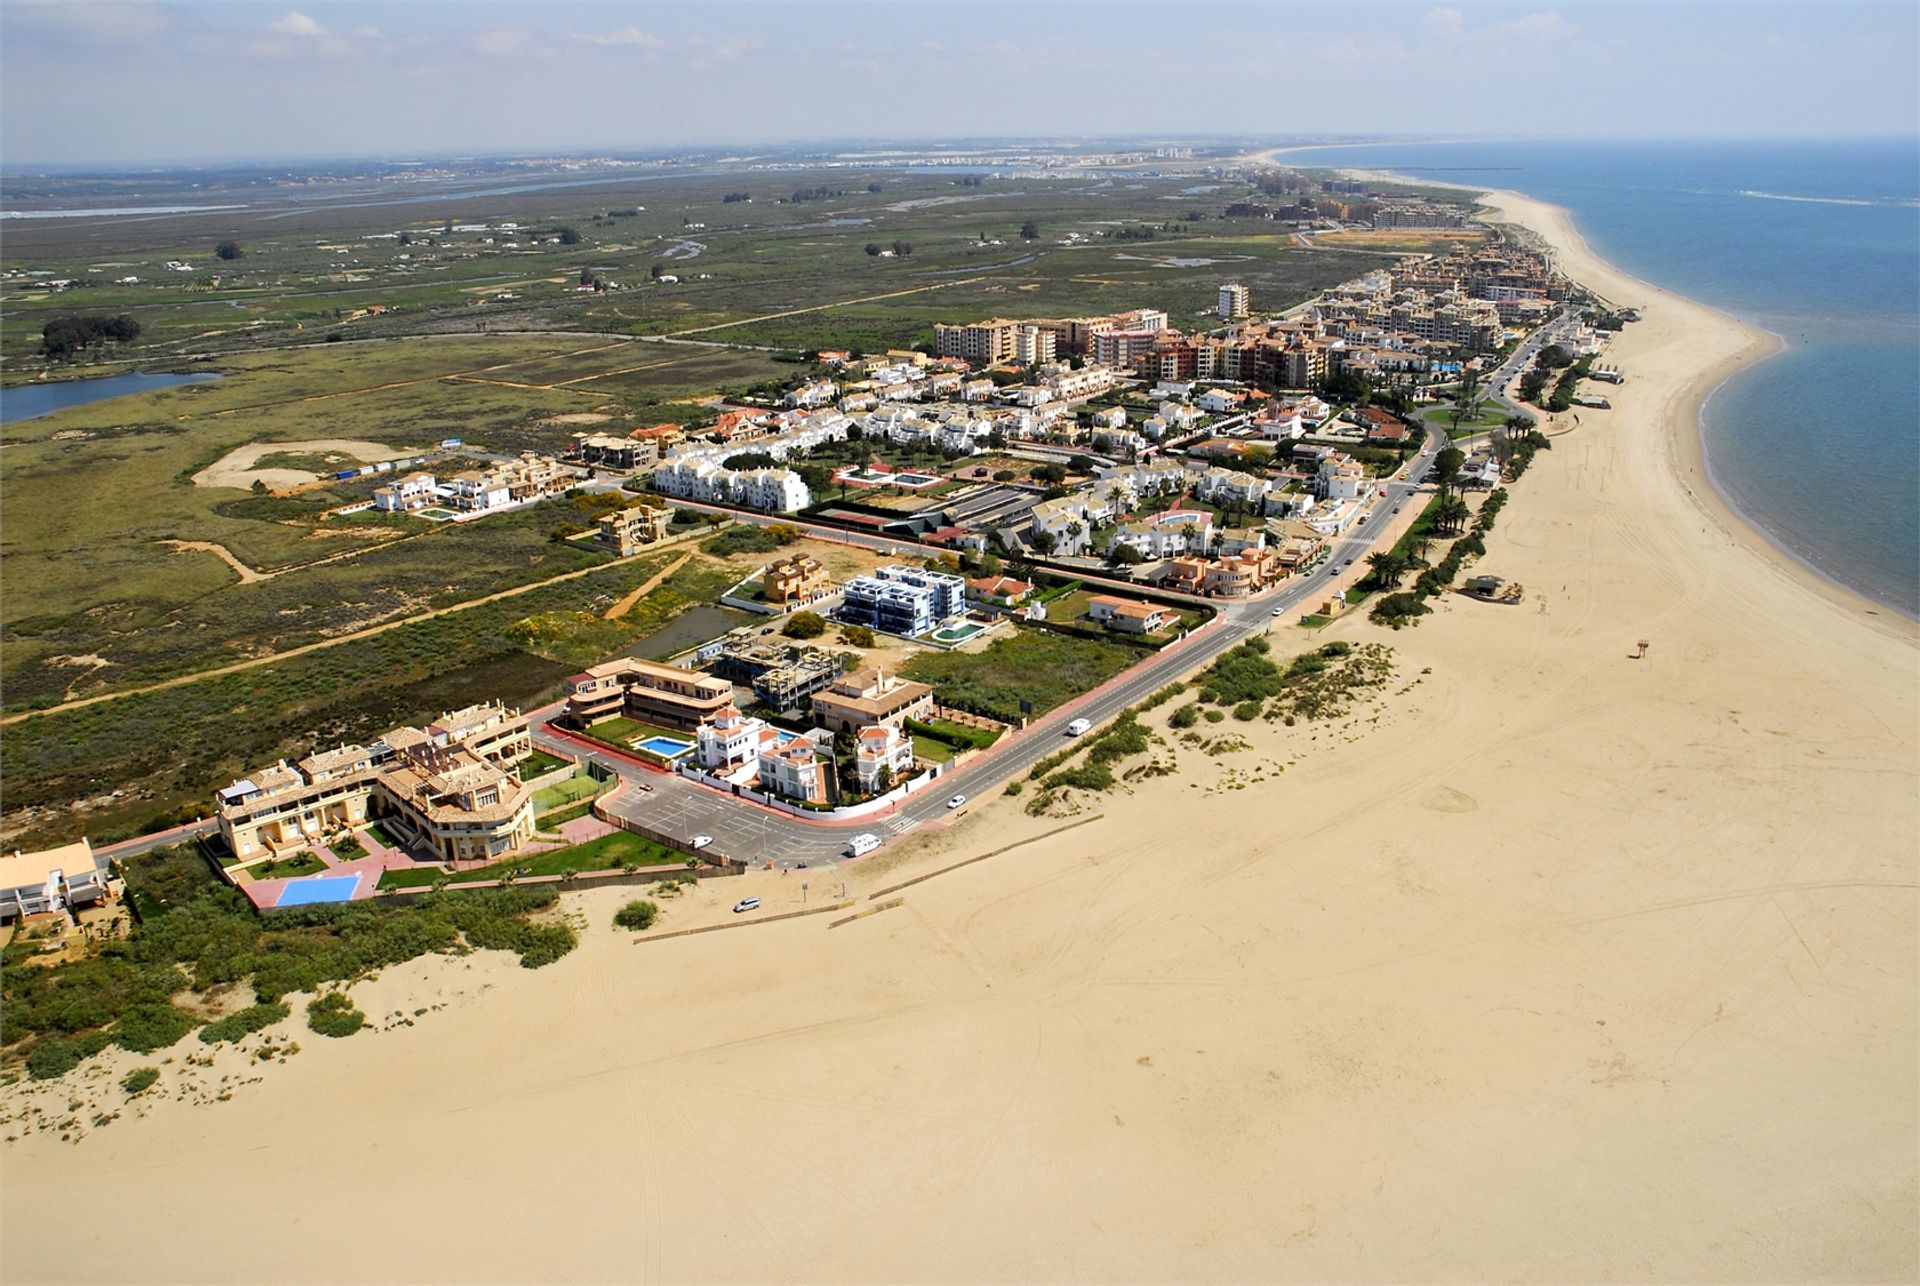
[1817, 242]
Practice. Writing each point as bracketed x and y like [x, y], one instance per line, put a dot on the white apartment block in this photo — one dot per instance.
[1234, 300]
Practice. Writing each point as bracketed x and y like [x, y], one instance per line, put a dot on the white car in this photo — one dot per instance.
[701, 841]
[956, 801]
[746, 904]
[1276, 611]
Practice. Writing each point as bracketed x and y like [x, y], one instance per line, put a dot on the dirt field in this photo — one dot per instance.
[235, 468]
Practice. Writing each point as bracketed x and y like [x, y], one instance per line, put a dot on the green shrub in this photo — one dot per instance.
[638, 914]
[243, 1023]
[1215, 716]
[1015, 787]
[1186, 716]
[334, 1015]
[742, 538]
[54, 1056]
[1247, 711]
[148, 1027]
[139, 1080]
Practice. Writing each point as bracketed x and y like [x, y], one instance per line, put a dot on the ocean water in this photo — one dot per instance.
[1819, 242]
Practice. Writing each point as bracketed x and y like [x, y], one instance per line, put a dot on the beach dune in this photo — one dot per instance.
[1568, 965]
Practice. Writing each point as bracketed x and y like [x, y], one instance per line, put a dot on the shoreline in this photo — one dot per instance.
[1686, 428]
[1541, 961]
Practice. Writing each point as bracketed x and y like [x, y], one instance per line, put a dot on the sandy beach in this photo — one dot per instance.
[1548, 964]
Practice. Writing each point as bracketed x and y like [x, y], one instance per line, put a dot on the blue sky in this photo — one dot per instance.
[145, 81]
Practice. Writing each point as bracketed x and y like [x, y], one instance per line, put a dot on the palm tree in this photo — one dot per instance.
[1388, 566]
[1451, 514]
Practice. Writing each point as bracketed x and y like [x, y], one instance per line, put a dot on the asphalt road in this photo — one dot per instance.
[750, 832]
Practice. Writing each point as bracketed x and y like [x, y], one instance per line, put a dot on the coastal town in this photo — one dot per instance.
[1111, 479]
[1328, 690]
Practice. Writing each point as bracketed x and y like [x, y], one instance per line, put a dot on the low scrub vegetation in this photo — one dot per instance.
[638, 914]
[244, 1023]
[334, 1015]
[196, 934]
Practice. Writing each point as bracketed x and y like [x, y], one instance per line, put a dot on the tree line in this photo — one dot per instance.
[64, 336]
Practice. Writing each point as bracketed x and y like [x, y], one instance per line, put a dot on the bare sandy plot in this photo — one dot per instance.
[247, 574]
[1556, 965]
[235, 468]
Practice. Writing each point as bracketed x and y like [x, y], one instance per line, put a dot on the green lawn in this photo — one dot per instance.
[538, 764]
[934, 752]
[302, 863]
[607, 853]
[623, 732]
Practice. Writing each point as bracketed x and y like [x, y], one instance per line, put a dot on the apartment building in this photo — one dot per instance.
[448, 787]
[404, 495]
[767, 490]
[646, 690]
[55, 879]
[1034, 345]
[981, 343]
[882, 758]
[791, 581]
[1165, 535]
[801, 770]
[732, 742]
[1234, 300]
[1340, 477]
[817, 393]
[903, 600]
[868, 697]
[627, 531]
[627, 455]
[1124, 348]
[1129, 616]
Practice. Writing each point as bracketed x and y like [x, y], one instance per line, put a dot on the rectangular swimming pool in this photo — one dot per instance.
[665, 747]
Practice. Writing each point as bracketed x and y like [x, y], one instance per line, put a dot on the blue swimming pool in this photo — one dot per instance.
[665, 747]
[323, 888]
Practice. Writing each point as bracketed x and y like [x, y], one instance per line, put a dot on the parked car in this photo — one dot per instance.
[746, 904]
[701, 841]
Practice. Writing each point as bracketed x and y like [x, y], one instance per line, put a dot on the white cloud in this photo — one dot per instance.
[1445, 23]
[624, 36]
[1535, 29]
[500, 41]
[367, 33]
[297, 24]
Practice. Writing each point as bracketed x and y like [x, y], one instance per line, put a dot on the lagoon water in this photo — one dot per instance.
[1818, 242]
[29, 401]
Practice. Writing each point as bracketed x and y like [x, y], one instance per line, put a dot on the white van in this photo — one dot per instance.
[746, 904]
[861, 845]
[1079, 727]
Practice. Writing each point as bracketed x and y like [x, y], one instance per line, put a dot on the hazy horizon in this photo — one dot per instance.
[142, 83]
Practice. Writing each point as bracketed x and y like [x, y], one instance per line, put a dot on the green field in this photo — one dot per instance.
[168, 750]
[1042, 668]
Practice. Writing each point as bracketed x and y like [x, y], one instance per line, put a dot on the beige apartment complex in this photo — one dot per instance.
[867, 698]
[448, 786]
[646, 690]
[627, 531]
[800, 579]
